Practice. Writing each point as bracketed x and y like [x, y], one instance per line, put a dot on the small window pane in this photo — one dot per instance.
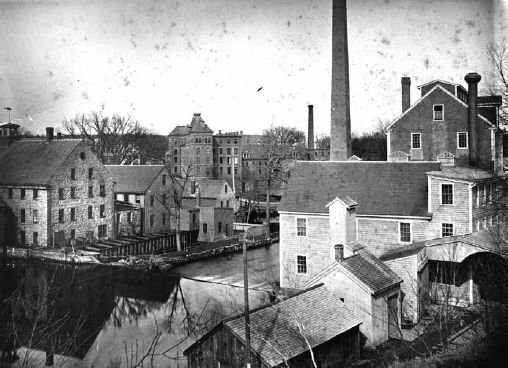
[301, 264]
[301, 227]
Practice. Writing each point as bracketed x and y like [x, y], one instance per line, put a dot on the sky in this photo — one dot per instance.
[245, 65]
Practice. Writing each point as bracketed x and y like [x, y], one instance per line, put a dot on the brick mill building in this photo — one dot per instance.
[55, 191]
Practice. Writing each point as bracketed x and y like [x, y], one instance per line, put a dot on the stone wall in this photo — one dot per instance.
[30, 204]
[82, 225]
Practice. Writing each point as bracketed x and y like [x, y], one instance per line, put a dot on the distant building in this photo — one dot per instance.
[55, 191]
[448, 124]
[282, 333]
[149, 188]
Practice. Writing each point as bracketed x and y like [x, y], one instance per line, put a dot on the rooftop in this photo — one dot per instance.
[134, 179]
[379, 188]
[470, 174]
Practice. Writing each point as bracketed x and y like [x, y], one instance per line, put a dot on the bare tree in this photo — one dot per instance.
[323, 142]
[114, 139]
[498, 84]
[281, 147]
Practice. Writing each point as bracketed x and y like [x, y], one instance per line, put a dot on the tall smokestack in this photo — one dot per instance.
[310, 137]
[472, 80]
[406, 93]
[340, 149]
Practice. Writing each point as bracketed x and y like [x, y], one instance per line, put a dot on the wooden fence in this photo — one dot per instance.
[142, 244]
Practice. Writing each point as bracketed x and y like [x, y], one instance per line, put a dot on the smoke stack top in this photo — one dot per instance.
[406, 93]
[49, 134]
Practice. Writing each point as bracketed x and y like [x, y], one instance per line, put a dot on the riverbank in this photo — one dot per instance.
[146, 262]
[166, 261]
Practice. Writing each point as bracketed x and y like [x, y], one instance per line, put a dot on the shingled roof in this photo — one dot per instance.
[209, 188]
[134, 178]
[469, 174]
[380, 188]
[274, 331]
[34, 162]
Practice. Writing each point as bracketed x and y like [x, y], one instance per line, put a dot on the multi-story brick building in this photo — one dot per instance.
[437, 126]
[56, 191]
[148, 187]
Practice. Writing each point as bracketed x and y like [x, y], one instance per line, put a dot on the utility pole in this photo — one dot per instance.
[246, 302]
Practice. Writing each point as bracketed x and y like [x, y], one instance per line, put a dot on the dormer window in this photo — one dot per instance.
[438, 112]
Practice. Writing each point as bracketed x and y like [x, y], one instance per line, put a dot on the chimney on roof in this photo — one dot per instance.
[49, 134]
[406, 93]
[472, 80]
[339, 252]
[310, 138]
[340, 143]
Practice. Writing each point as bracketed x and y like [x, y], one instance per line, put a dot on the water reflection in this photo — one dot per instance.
[54, 314]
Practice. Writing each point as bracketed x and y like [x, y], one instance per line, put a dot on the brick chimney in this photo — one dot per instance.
[49, 134]
[406, 93]
[340, 143]
[310, 128]
[472, 80]
[339, 252]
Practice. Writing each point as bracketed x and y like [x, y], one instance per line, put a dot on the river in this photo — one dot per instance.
[98, 316]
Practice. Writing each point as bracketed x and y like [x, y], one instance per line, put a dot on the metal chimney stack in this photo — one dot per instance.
[310, 133]
[472, 80]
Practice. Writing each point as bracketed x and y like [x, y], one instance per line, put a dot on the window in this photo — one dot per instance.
[462, 140]
[164, 196]
[221, 160]
[35, 214]
[35, 238]
[193, 218]
[438, 112]
[227, 204]
[228, 151]
[73, 174]
[405, 232]
[90, 191]
[446, 229]
[163, 179]
[102, 231]
[90, 212]
[73, 214]
[152, 220]
[22, 216]
[446, 194]
[23, 193]
[220, 227]
[220, 151]
[102, 190]
[90, 173]
[225, 188]
[22, 237]
[10, 192]
[73, 234]
[229, 170]
[163, 219]
[301, 264]
[126, 197]
[205, 228]
[61, 214]
[152, 200]
[73, 192]
[35, 194]
[61, 195]
[175, 160]
[301, 227]
[416, 140]
[138, 199]
[101, 210]
[129, 216]
[221, 170]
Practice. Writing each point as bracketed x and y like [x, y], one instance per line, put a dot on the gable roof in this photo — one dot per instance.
[134, 178]
[365, 268]
[209, 188]
[34, 161]
[470, 174]
[275, 334]
[380, 188]
[436, 87]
